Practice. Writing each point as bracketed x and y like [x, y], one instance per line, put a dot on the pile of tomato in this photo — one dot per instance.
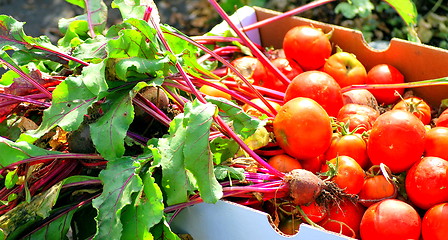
[385, 146]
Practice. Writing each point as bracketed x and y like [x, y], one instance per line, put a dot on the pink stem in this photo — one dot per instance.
[264, 60]
[292, 12]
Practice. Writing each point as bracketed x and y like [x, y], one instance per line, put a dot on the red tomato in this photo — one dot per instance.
[385, 74]
[390, 219]
[212, 91]
[375, 189]
[284, 163]
[318, 86]
[436, 142]
[345, 69]
[314, 211]
[314, 164]
[416, 106]
[442, 120]
[358, 116]
[348, 175]
[351, 145]
[290, 68]
[435, 222]
[308, 46]
[302, 128]
[250, 67]
[396, 139]
[427, 182]
[344, 218]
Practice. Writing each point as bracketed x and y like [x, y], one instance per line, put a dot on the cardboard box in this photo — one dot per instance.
[226, 220]
[230, 221]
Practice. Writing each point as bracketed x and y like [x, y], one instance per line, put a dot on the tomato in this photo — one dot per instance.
[284, 163]
[212, 91]
[289, 68]
[347, 173]
[308, 46]
[250, 67]
[360, 96]
[442, 120]
[302, 128]
[352, 145]
[436, 142]
[426, 182]
[385, 74]
[390, 219]
[346, 69]
[416, 106]
[358, 116]
[435, 222]
[314, 211]
[257, 113]
[396, 139]
[375, 189]
[344, 217]
[318, 86]
[313, 164]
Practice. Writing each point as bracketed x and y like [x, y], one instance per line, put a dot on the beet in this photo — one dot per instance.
[304, 186]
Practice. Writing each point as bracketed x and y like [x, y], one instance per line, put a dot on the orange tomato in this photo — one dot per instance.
[284, 163]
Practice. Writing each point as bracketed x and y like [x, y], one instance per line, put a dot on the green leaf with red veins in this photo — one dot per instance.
[223, 149]
[243, 124]
[11, 31]
[145, 28]
[109, 131]
[56, 229]
[145, 212]
[95, 14]
[92, 50]
[12, 152]
[187, 161]
[163, 231]
[75, 34]
[131, 43]
[27, 49]
[71, 101]
[137, 68]
[136, 8]
[120, 182]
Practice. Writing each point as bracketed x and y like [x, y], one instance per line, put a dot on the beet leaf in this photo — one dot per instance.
[186, 156]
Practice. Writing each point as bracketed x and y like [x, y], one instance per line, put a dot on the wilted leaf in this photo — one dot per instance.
[25, 214]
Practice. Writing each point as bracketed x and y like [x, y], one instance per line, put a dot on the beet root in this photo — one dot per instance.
[304, 186]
